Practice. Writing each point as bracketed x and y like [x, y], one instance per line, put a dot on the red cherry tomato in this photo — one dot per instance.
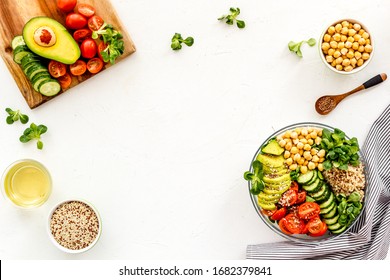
[94, 65]
[101, 47]
[283, 227]
[88, 48]
[82, 34]
[294, 186]
[66, 5]
[65, 81]
[78, 68]
[304, 229]
[308, 210]
[85, 10]
[315, 225]
[301, 197]
[75, 21]
[56, 69]
[293, 223]
[321, 232]
[95, 22]
[268, 213]
[279, 214]
[288, 198]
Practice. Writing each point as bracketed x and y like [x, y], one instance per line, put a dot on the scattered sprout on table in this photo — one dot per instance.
[234, 12]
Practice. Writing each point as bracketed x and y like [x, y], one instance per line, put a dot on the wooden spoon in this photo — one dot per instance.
[325, 104]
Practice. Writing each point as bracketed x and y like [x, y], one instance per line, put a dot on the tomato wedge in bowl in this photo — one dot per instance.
[310, 226]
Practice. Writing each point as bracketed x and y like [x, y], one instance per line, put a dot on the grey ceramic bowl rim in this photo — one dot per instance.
[294, 237]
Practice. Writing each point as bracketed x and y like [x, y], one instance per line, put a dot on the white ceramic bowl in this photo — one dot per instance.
[356, 69]
[67, 250]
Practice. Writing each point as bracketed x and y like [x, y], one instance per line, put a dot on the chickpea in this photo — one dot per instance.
[358, 55]
[361, 49]
[325, 46]
[339, 67]
[333, 44]
[308, 137]
[317, 140]
[288, 140]
[307, 147]
[298, 130]
[301, 161]
[351, 32]
[313, 134]
[336, 37]
[339, 60]
[294, 135]
[295, 141]
[357, 26]
[311, 165]
[300, 145]
[327, 37]
[320, 167]
[304, 132]
[362, 41]
[365, 56]
[310, 142]
[304, 141]
[287, 154]
[313, 151]
[360, 62]
[306, 163]
[319, 132]
[355, 46]
[329, 58]
[344, 30]
[331, 30]
[297, 157]
[293, 166]
[315, 159]
[336, 54]
[361, 31]
[350, 54]
[357, 37]
[368, 41]
[294, 150]
[350, 39]
[338, 27]
[340, 45]
[303, 169]
[365, 35]
[343, 38]
[282, 143]
[307, 155]
[288, 146]
[344, 51]
[348, 68]
[345, 23]
[353, 61]
[279, 138]
[322, 160]
[331, 52]
[321, 153]
[287, 134]
[368, 48]
[348, 44]
[289, 161]
[300, 152]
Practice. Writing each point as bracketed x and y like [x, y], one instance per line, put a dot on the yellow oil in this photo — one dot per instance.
[27, 184]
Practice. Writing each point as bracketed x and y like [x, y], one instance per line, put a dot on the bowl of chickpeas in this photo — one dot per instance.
[346, 46]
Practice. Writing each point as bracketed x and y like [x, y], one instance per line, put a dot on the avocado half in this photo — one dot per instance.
[64, 48]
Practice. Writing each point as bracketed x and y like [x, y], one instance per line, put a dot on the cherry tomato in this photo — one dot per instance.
[294, 186]
[301, 198]
[283, 227]
[65, 81]
[85, 10]
[101, 47]
[82, 34]
[95, 22]
[56, 69]
[292, 210]
[66, 5]
[315, 225]
[88, 48]
[308, 210]
[78, 68]
[94, 65]
[304, 229]
[293, 223]
[321, 232]
[268, 213]
[75, 21]
[288, 198]
[279, 214]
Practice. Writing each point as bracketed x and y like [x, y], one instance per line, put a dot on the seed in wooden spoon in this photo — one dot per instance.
[325, 104]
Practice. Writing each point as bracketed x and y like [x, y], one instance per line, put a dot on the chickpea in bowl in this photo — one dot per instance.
[346, 46]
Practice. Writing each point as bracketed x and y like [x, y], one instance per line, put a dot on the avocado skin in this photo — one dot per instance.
[65, 50]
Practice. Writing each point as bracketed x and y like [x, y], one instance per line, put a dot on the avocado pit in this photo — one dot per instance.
[44, 36]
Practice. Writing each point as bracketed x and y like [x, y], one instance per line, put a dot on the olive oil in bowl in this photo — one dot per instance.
[27, 183]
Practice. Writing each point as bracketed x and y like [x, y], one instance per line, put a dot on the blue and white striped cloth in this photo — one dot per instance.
[369, 238]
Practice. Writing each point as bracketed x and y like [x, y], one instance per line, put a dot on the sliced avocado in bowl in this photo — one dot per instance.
[272, 148]
[271, 160]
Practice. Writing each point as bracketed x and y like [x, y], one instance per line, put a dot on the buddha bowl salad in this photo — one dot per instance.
[309, 180]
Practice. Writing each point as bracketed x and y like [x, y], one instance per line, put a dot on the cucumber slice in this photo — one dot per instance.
[50, 87]
[319, 174]
[304, 178]
[328, 202]
[20, 52]
[34, 69]
[335, 226]
[315, 187]
[17, 41]
[340, 230]
[320, 193]
[29, 58]
[327, 210]
[325, 196]
[331, 221]
[38, 79]
[313, 179]
[332, 213]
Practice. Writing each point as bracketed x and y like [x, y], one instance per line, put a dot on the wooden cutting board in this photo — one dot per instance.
[13, 16]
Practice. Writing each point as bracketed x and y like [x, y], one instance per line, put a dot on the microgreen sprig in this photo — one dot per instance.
[234, 12]
[113, 41]
[296, 47]
[177, 40]
[15, 116]
[34, 132]
[255, 177]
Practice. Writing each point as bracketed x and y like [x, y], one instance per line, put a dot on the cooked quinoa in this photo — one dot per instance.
[346, 181]
[74, 225]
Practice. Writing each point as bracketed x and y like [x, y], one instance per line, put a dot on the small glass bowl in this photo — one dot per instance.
[300, 238]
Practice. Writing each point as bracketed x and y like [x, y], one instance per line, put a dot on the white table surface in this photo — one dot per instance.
[160, 141]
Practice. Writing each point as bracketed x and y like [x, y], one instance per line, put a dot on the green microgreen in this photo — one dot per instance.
[255, 177]
[340, 151]
[348, 208]
[177, 40]
[296, 47]
[14, 116]
[114, 45]
[232, 17]
[34, 132]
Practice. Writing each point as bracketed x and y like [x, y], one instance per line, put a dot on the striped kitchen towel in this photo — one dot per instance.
[370, 236]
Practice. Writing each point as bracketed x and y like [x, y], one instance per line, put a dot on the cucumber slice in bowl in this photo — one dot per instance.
[49, 87]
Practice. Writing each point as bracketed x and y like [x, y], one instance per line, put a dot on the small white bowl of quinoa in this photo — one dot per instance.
[74, 226]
